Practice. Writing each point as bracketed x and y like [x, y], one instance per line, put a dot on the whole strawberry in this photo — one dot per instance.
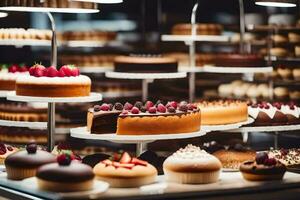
[52, 71]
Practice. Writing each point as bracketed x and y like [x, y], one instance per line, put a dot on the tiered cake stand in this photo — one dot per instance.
[51, 110]
[145, 77]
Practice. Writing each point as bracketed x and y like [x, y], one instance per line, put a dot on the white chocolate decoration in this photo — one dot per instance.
[82, 79]
[285, 109]
[253, 112]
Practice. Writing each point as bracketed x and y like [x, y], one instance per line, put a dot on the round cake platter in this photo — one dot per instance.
[149, 76]
[32, 125]
[227, 127]
[23, 42]
[190, 69]
[197, 38]
[3, 93]
[115, 94]
[82, 133]
[92, 98]
[96, 69]
[281, 128]
[237, 70]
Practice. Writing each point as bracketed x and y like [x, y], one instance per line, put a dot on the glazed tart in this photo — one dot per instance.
[223, 112]
[8, 76]
[143, 119]
[49, 82]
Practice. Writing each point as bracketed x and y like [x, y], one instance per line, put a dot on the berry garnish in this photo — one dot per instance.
[66, 69]
[149, 104]
[267, 107]
[261, 106]
[183, 107]
[52, 72]
[64, 159]
[135, 110]
[270, 162]
[10, 148]
[125, 112]
[171, 109]
[105, 107]
[13, 69]
[261, 157]
[2, 149]
[39, 71]
[143, 109]
[126, 165]
[190, 106]
[107, 162]
[161, 108]
[173, 104]
[110, 106]
[23, 69]
[152, 110]
[126, 158]
[128, 106]
[31, 148]
[97, 108]
[75, 157]
[137, 161]
[118, 106]
[138, 104]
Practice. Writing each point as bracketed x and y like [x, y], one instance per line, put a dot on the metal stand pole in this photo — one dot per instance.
[51, 126]
[53, 41]
[242, 26]
[245, 136]
[140, 148]
[276, 140]
[145, 83]
[192, 54]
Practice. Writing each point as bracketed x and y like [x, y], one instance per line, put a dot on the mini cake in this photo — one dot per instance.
[289, 157]
[192, 165]
[281, 92]
[67, 175]
[21, 135]
[9, 75]
[140, 119]
[6, 150]
[201, 29]
[222, 112]
[125, 173]
[234, 156]
[262, 168]
[24, 164]
[239, 60]
[279, 52]
[285, 73]
[145, 63]
[296, 74]
[49, 82]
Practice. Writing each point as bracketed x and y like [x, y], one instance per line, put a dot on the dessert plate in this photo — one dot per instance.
[150, 76]
[99, 187]
[227, 127]
[32, 125]
[268, 128]
[82, 133]
[199, 38]
[3, 93]
[93, 97]
[237, 70]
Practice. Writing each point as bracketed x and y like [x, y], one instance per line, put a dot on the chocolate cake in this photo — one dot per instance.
[145, 64]
[239, 60]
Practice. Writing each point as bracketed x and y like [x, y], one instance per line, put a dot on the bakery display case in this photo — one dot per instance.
[149, 99]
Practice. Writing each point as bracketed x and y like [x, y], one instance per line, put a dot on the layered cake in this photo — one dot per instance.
[143, 119]
[191, 165]
[22, 34]
[222, 112]
[8, 76]
[202, 29]
[289, 157]
[239, 60]
[145, 63]
[50, 82]
[267, 114]
[263, 168]
[126, 172]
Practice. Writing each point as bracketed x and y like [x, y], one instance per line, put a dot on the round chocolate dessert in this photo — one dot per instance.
[23, 164]
[66, 175]
[239, 60]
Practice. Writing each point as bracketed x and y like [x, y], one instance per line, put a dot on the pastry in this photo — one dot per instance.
[143, 119]
[280, 38]
[24, 164]
[9, 75]
[296, 74]
[125, 172]
[262, 168]
[67, 175]
[278, 52]
[289, 157]
[6, 150]
[239, 60]
[192, 165]
[49, 82]
[18, 135]
[291, 111]
[281, 92]
[294, 37]
[201, 29]
[234, 156]
[294, 95]
[297, 51]
[223, 112]
[285, 73]
[145, 63]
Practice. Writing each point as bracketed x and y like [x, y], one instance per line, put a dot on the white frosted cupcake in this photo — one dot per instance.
[192, 165]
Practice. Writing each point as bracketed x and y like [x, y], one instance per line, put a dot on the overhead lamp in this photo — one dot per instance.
[277, 3]
[52, 10]
[3, 14]
[101, 1]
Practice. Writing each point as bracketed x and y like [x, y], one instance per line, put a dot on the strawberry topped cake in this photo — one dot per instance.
[51, 82]
[8, 76]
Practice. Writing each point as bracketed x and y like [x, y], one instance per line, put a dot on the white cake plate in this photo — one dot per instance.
[189, 69]
[149, 76]
[84, 43]
[227, 127]
[95, 69]
[32, 125]
[99, 187]
[282, 128]
[197, 38]
[23, 42]
[93, 97]
[237, 70]
[82, 133]
[3, 93]
[116, 94]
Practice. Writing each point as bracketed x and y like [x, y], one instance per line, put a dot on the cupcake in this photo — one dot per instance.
[263, 168]
[6, 150]
[192, 165]
[66, 175]
[125, 172]
[23, 164]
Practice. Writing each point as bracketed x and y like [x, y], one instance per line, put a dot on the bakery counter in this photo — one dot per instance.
[230, 186]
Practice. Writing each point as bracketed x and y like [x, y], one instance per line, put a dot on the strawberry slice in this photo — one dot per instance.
[116, 164]
[127, 165]
[66, 70]
[116, 156]
[107, 162]
[137, 161]
[125, 158]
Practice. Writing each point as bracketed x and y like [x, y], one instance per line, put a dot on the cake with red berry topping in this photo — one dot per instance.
[125, 172]
[145, 63]
[263, 168]
[144, 119]
[66, 175]
[50, 82]
[8, 76]
[267, 114]
[6, 150]
[223, 112]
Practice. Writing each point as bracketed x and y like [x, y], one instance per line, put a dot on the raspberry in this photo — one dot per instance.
[64, 159]
[128, 106]
[135, 110]
[261, 157]
[105, 107]
[149, 104]
[161, 108]
[31, 148]
[152, 110]
[190, 106]
[171, 109]
[183, 107]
